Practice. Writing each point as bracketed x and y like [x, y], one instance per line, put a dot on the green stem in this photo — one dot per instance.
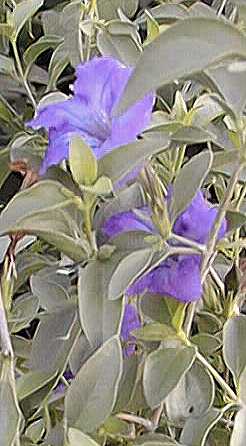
[217, 377]
[219, 220]
[21, 73]
[184, 241]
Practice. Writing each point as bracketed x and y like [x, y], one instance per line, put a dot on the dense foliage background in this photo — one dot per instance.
[68, 375]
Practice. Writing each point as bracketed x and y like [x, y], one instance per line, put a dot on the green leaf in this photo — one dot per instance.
[7, 66]
[189, 181]
[206, 343]
[10, 414]
[239, 429]
[127, 383]
[100, 375]
[23, 311]
[78, 438]
[155, 332]
[47, 210]
[82, 161]
[234, 334]
[162, 371]
[210, 40]
[99, 317]
[22, 13]
[123, 47]
[192, 135]
[71, 16]
[41, 45]
[235, 220]
[107, 9]
[193, 396]
[196, 430]
[51, 288]
[58, 63]
[4, 163]
[59, 331]
[127, 271]
[119, 162]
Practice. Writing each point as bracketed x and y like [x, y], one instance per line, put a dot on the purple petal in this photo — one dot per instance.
[197, 221]
[100, 83]
[178, 277]
[130, 322]
[127, 221]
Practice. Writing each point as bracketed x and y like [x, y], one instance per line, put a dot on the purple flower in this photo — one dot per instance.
[178, 276]
[89, 113]
[130, 322]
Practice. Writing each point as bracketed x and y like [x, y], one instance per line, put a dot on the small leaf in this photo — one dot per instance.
[234, 334]
[127, 271]
[189, 181]
[162, 371]
[71, 16]
[196, 430]
[42, 44]
[22, 13]
[92, 394]
[83, 163]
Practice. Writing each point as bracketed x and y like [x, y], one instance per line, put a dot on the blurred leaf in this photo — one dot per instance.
[192, 33]
[99, 317]
[82, 161]
[235, 220]
[193, 395]
[192, 135]
[78, 438]
[234, 334]
[59, 331]
[162, 371]
[51, 288]
[127, 271]
[10, 414]
[196, 430]
[107, 9]
[206, 343]
[45, 209]
[24, 310]
[7, 66]
[189, 181]
[57, 65]
[155, 332]
[43, 44]
[119, 162]
[127, 383]
[4, 163]
[71, 16]
[92, 394]
[23, 11]
[123, 47]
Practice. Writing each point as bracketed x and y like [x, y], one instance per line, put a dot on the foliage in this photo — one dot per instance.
[93, 351]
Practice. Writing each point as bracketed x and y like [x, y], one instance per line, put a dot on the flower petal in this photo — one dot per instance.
[179, 278]
[127, 221]
[197, 221]
[130, 322]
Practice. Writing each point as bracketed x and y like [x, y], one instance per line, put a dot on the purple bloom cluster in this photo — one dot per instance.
[178, 276]
[89, 113]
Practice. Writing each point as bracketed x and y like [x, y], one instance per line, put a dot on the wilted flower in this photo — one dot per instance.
[179, 276]
[89, 113]
[130, 322]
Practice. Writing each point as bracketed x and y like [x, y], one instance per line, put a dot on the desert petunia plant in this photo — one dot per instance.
[122, 223]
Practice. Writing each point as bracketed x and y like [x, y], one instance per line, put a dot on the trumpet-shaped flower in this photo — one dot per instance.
[89, 113]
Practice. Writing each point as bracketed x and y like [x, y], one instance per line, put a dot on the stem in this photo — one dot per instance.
[217, 377]
[184, 241]
[21, 73]
[7, 349]
[219, 219]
